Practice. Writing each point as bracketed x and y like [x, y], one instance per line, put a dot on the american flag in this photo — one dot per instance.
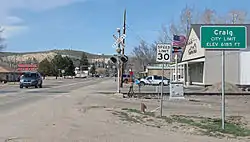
[178, 46]
[179, 41]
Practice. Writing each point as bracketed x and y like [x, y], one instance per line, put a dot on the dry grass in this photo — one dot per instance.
[234, 127]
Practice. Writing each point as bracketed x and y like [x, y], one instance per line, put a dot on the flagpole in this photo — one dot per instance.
[176, 67]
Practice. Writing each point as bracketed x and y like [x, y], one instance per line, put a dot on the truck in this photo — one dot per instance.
[80, 74]
[154, 80]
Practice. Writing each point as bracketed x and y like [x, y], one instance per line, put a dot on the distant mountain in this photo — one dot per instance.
[11, 57]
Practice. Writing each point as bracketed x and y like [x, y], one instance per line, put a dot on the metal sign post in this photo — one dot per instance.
[118, 74]
[223, 90]
[176, 67]
[163, 55]
[161, 100]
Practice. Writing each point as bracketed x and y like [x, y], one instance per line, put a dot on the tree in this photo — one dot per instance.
[69, 67]
[2, 46]
[84, 63]
[208, 17]
[58, 62]
[93, 69]
[237, 17]
[46, 68]
[144, 54]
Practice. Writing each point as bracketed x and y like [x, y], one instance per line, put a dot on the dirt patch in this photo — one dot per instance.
[234, 126]
[216, 88]
[84, 109]
[18, 139]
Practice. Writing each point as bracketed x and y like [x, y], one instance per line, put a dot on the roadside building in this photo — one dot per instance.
[27, 67]
[8, 74]
[156, 69]
[203, 66]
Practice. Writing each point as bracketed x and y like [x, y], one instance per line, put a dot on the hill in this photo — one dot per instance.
[11, 57]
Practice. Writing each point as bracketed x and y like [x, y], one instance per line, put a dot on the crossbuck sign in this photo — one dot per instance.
[163, 53]
[119, 40]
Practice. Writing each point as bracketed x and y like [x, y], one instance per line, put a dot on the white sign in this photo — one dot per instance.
[119, 40]
[163, 53]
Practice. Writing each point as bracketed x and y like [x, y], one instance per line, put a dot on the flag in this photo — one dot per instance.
[174, 50]
[179, 41]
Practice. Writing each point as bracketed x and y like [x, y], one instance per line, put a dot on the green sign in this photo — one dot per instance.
[223, 37]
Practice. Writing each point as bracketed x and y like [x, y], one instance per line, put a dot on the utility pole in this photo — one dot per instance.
[124, 33]
[119, 64]
[15, 68]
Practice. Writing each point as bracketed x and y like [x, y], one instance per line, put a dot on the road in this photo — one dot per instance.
[75, 110]
[11, 96]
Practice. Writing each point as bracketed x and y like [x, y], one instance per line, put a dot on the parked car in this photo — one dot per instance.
[154, 80]
[29, 79]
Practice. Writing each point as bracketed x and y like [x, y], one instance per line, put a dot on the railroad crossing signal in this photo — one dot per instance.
[113, 59]
[122, 58]
[119, 40]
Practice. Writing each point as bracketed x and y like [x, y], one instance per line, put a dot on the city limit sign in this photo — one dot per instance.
[223, 37]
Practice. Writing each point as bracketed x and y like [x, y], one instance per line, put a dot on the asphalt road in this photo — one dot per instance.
[11, 96]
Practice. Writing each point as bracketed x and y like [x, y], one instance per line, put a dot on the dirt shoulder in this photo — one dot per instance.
[84, 115]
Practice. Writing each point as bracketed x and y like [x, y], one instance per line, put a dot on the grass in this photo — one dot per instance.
[125, 117]
[214, 125]
[207, 126]
[138, 111]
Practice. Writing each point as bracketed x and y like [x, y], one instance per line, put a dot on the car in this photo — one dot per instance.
[154, 80]
[29, 79]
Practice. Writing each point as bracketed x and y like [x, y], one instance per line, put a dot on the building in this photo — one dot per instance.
[27, 67]
[8, 74]
[203, 66]
[156, 69]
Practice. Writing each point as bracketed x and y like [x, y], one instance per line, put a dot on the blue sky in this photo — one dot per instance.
[88, 25]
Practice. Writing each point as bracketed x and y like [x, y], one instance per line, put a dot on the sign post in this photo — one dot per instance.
[226, 37]
[163, 56]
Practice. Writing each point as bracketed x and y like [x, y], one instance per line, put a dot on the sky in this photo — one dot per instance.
[88, 25]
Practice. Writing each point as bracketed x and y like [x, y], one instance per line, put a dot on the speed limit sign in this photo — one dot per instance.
[163, 53]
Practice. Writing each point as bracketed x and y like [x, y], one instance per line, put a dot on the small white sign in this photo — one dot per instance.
[119, 40]
[163, 53]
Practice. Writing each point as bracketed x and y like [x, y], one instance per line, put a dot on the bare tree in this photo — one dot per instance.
[237, 16]
[143, 54]
[186, 18]
[1, 39]
[208, 17]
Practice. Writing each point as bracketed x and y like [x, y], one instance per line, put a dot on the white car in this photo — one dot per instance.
[154, 80]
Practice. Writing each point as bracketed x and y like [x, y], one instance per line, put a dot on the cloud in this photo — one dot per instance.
[12, 23]
[11, 31]
[6, 6]
[14, 20]
[38, 5]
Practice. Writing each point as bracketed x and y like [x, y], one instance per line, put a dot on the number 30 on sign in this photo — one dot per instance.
[163, 53]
